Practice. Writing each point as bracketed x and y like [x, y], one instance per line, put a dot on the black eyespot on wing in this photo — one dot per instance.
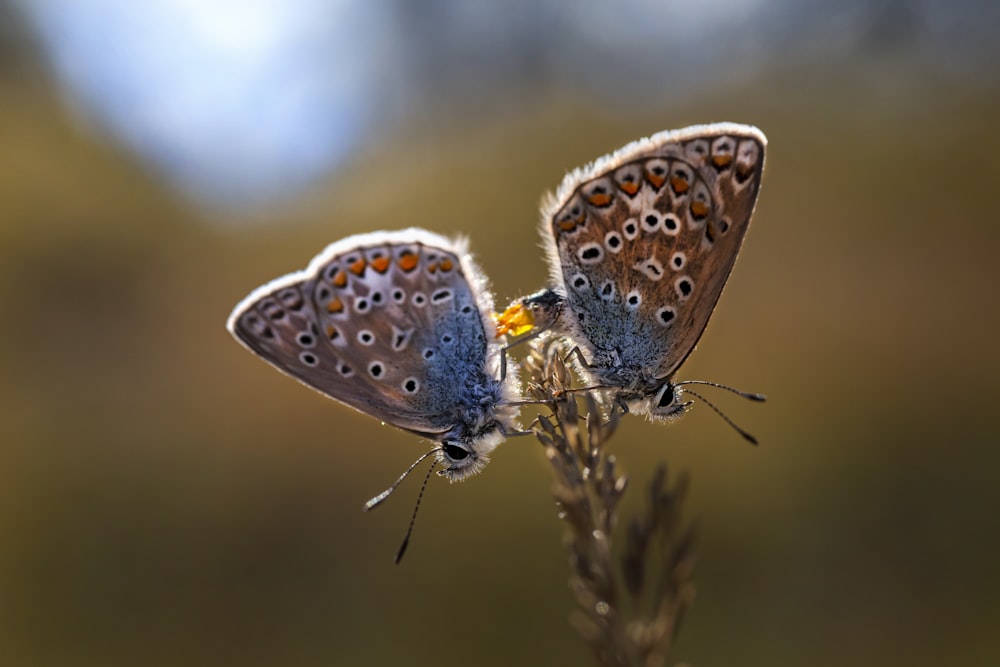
[441, 295]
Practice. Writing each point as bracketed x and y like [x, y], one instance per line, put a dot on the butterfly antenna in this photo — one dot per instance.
[749, 438]
[743, 394]
[377, 500]
[413, 518]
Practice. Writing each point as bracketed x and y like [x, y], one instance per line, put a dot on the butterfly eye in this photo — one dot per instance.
[454, 452]
[667, 396]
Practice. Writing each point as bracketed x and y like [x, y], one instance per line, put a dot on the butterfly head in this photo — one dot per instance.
[663, 405]
[465, 456]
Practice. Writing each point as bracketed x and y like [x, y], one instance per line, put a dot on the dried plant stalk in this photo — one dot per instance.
[629, 606]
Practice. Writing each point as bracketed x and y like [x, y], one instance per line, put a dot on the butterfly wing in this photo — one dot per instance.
[390, 323]
[641, 242]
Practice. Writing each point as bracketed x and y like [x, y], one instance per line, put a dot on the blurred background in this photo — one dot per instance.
[166, 498]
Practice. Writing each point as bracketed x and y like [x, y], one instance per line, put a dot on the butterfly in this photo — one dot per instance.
[640, 244]
[396, 325]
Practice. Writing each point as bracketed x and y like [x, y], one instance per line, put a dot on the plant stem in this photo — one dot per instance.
[629, 606]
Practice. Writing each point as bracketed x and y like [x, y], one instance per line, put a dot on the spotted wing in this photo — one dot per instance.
[389, 323]
[642, 241]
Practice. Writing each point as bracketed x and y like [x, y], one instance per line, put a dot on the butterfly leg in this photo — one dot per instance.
[562, 393]
[528, 401]
[503, 362]
[503, 350]
[509, 432]
[544, 423]
[578, 353]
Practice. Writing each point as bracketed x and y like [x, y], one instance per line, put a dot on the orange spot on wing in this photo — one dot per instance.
[380, 264]
[629, 187]
[432, 268]
[335, 306]
[599, 199]
[339, 279]
[699, 209]
[571, 217]
[679, 185]
[358, 268]
[656, 179]
[446, 265]
[722, 161]
[331, 332]
[408, 261]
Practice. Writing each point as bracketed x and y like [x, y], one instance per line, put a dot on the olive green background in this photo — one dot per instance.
[167, 499]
